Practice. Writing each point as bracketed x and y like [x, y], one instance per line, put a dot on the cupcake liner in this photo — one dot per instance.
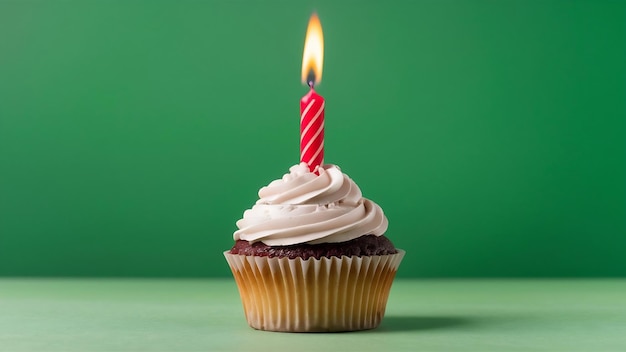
[314, 295]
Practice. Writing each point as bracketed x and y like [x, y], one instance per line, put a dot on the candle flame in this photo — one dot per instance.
[313, 57]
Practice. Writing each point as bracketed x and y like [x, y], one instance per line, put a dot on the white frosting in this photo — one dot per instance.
[303, 207]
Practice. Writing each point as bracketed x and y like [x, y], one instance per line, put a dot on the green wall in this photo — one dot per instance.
[133, 134]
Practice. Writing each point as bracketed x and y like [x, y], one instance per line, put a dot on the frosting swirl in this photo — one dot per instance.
[303, 207]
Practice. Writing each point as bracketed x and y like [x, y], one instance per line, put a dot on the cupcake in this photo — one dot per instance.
[311, 255]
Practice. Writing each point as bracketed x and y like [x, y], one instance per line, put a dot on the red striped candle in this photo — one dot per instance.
[312, 104]
[312, 129]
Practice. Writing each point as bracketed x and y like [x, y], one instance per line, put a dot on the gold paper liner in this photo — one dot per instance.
[314, 295]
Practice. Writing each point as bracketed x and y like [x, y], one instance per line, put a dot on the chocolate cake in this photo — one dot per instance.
[361, 246]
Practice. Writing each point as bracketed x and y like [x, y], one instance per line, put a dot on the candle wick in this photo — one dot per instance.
[311, 84]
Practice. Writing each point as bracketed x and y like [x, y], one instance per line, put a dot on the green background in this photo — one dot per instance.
[134, 134]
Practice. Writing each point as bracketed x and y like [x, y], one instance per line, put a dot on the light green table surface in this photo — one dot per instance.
[206, 315]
